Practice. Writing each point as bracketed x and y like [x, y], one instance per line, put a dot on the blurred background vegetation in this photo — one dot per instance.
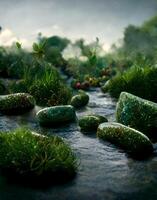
[42, 71]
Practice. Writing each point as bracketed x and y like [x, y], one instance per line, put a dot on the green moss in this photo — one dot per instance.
[56, 115]
[125, 137]
[91, 122]
[16, 103]
[137, 113]
[34, 156]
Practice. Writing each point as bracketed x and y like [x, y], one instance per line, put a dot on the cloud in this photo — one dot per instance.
[106, 47]
[7, 38]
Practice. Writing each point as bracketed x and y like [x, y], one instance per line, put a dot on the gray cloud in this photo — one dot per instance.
[105, 19]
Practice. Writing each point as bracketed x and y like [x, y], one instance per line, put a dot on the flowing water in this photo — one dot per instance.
[105, 172]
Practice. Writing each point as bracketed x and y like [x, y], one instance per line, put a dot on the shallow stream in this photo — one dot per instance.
[105, 172]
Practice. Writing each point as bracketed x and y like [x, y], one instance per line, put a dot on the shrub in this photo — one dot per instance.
[50, 90]
[44, 83]
[31, 155]
[18, 86]
[139, 81]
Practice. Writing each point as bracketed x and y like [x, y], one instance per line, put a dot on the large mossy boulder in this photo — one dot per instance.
[34, 157]
[91, 122]
[80, 99]
[137, 113]
[56, 115]
[17, 103]
[129, 139]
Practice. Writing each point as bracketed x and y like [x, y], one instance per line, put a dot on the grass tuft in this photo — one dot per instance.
[139, 81]
[35, 156]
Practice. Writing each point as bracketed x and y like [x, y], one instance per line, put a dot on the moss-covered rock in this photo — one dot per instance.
[80, 99]
[91, 122]
[137, 113]
[16, 103]
[56, 115]
[125, 137]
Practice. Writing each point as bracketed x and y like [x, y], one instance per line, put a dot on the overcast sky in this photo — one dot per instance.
[89, 19]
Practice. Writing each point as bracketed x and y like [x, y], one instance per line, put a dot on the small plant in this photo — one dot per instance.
[38, 49]
[31, 155]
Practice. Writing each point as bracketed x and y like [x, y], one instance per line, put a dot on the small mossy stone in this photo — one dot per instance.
[80, 100]
[17, 103]
[91, 122]
[125, 137]
[56, 115]
[137, 113]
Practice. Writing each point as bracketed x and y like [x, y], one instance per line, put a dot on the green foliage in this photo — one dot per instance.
[18, 45]
[34, 155]
[38, 49]
[18, 86]
[90, 62]
[141, 40]
[53, 47]
[49, 89]
[138, 81]
[45, 85]
[40, 79]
